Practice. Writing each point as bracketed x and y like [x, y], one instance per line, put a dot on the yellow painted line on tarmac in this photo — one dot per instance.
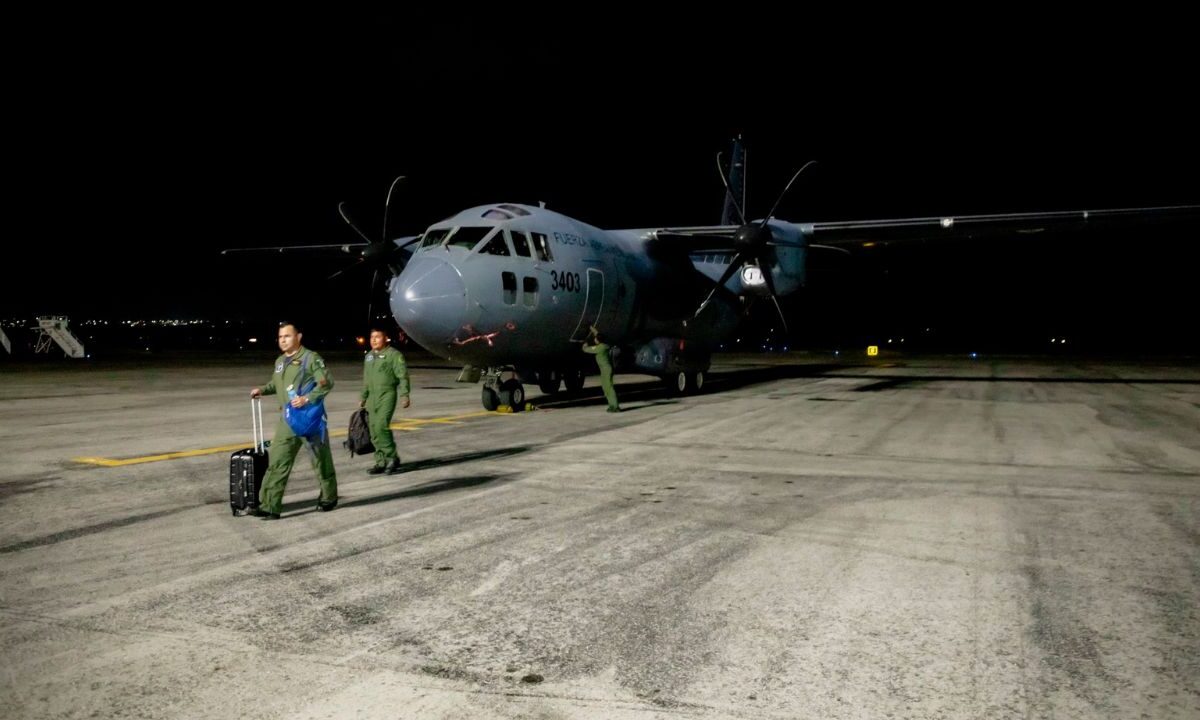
[109, 462]
[407, 424]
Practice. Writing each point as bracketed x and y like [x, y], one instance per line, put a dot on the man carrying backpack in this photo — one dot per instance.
[385, 379]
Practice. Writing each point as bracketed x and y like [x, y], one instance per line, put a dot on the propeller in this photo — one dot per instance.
[750, 243]
[378, 253]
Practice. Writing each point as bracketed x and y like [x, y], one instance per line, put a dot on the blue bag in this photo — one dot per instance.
[309, 421]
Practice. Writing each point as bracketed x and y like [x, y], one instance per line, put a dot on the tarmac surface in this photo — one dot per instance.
[810, 537]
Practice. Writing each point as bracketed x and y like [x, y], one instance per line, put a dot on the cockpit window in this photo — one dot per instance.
[435, 237]
[521, 243]
[542, 245]
[495, 246]
[467, 237]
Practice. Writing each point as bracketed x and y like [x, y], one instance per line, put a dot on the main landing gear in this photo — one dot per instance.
[503, 386]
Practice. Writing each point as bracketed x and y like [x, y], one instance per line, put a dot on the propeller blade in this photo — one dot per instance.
[785, 190]
[350, 267]
[734, 265]
[371, 299]
[780, 311]
[831, 247]
[342, 212]
[769, 279]
[387, 205]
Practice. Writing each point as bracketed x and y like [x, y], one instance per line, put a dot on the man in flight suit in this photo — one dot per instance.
[295, 367]
[599, 348]
[385, 378]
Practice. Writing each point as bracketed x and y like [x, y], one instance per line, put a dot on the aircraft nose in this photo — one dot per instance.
[429, 300]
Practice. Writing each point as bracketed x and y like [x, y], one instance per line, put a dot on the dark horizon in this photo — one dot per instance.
[144, 156]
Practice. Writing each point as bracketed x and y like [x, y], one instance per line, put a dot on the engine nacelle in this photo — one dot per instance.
[663, 356]
[786, 262]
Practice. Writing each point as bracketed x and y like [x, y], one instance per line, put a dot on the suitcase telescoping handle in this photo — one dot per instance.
[260, 443]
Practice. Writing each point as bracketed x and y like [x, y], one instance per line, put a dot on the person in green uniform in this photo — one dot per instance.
[600, 349]
[385, 379]
[293, 369]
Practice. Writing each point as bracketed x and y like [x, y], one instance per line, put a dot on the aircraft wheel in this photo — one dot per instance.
[490, 399]
[677, 383]
[549, 381]
[573, 380]
[512, 394]
[697, 381]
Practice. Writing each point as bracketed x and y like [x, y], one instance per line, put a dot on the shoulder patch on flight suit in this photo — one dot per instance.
[279, 367]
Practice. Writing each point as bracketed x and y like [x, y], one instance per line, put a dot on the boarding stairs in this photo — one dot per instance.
[53, 329]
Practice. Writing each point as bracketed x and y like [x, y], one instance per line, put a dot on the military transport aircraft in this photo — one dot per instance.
[511, 290]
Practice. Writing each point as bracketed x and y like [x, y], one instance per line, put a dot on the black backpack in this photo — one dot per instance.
[358, 442]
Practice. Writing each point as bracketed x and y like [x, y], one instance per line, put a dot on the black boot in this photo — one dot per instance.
[395, 468]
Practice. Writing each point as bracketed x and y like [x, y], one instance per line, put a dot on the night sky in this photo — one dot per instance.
[153, 149]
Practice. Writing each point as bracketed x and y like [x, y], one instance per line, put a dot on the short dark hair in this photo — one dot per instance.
[378, 329]
[285, 323]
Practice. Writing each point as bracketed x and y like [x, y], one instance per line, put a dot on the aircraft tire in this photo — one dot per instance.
[512, 394]
[697, 381]
[573, 380]
[490, 399]
[549, 381]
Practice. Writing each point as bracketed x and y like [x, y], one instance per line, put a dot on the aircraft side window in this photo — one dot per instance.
[495, 246]
[542, 245]
[531, 292]
[510, 288]
[468, 237]
[521, 243]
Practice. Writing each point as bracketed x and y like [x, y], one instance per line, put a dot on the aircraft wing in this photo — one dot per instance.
[845, 235]
[695, 239]
[344, 247]
[870, 233]
[400, 242]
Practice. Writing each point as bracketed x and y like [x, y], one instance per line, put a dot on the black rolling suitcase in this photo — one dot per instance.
[247, 467]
